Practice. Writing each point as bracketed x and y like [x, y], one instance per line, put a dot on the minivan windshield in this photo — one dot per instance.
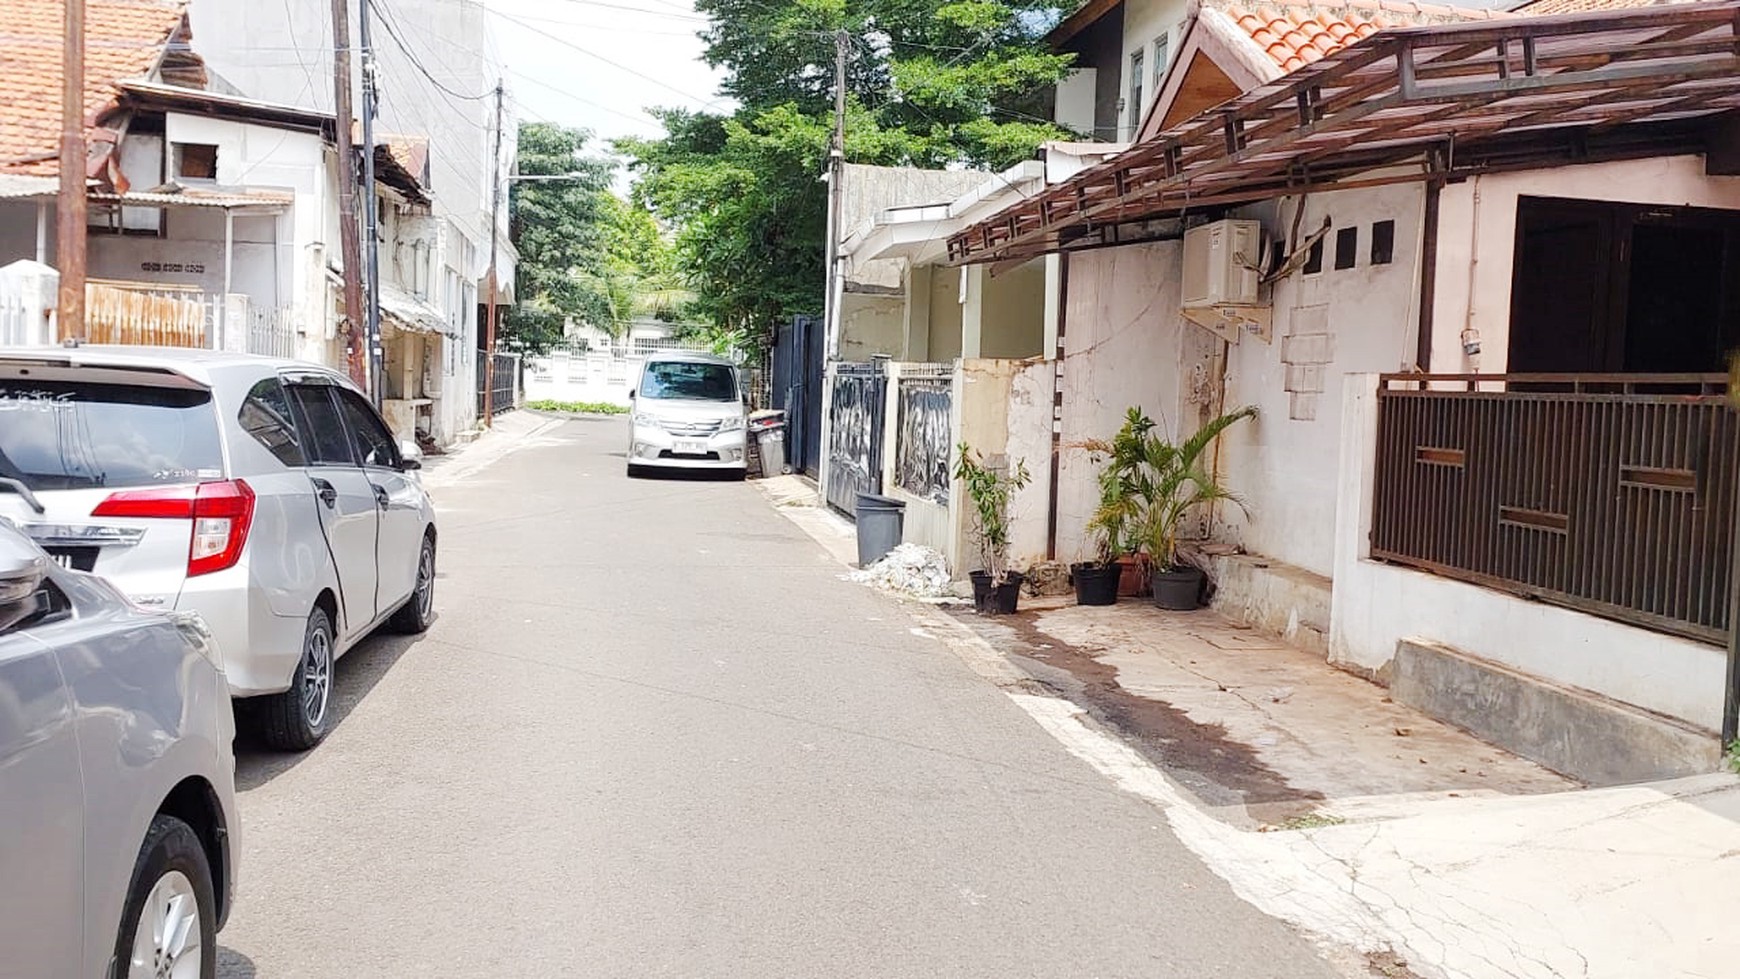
[685, 380]
[82, 434]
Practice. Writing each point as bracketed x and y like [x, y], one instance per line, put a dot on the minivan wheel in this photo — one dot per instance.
[418, 612]
[169, 923]
[298, 718]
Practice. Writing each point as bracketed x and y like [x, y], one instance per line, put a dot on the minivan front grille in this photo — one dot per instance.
[678, 427]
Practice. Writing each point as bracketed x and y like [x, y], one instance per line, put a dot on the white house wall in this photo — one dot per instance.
[1144, 22]
[1284, 463]
[1122, 333]
[1482, 267]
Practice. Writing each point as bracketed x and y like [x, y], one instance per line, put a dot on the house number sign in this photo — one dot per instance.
[196, 268]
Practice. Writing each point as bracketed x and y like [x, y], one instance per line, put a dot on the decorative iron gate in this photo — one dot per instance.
[925, 438]
[507, 377]
[1611, 494]
[855, 421]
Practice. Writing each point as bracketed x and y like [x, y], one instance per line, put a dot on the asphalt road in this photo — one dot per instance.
[654, 734]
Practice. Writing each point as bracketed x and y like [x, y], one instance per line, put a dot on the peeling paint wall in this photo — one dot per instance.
[871, 324]
[1122, 343]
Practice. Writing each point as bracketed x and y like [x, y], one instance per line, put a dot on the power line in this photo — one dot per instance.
[644, 117]
[389, 21]
[614, 64]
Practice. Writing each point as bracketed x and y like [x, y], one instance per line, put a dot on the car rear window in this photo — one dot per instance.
[81, 434]
[685, 380]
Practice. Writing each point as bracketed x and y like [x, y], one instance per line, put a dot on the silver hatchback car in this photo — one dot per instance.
[117, 782]
[266, 495]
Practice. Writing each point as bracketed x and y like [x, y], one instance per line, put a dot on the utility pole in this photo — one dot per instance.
[836, 175]
[371, 206]
[350, 244]
[70, 246]
[495, 175]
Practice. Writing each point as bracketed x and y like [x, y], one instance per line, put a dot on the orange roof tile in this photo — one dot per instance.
[1541, 8]
[1294, 33]
[123, 39]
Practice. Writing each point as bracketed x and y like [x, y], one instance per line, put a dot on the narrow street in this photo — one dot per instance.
[652, 733]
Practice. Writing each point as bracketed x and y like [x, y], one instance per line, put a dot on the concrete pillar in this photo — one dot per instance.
[1353, 502]
[918, 292]
[972, 299]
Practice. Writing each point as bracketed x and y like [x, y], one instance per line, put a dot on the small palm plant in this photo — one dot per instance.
[990, 490]
[1174, 481]
[1149, 485]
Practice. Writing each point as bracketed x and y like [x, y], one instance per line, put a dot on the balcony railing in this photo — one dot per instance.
[1610, 494]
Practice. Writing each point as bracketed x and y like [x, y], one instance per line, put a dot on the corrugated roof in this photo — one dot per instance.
[201, 197]
[123, 39]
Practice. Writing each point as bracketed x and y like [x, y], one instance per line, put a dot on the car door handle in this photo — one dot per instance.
[328, 495]
[381, 497]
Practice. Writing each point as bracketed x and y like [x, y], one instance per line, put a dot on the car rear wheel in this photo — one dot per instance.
[169, 923]
[298, 718]
[418, 612]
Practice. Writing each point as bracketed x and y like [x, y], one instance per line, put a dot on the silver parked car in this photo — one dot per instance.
[266, 495]
[117, 783]
[689, 413]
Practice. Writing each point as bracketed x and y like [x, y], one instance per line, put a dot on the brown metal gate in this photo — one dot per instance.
[1611, 494]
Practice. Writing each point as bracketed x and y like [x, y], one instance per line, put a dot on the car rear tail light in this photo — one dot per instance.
[221, 513]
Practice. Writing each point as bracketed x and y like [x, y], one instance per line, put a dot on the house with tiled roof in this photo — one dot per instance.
[224, 209]
[1480, 275]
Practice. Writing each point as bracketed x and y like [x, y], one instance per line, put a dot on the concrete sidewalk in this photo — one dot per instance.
[512, 430]
[1361, 821]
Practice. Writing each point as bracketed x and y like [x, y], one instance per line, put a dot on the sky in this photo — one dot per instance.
[599, 64]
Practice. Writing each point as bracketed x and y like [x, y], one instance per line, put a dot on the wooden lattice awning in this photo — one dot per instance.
[1410, 104]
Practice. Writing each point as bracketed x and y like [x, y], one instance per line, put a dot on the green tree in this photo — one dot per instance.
[559, 227]
[931, 84]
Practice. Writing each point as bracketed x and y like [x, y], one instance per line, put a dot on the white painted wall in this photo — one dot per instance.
[1374, 606]
[1146, 21]
[1121, 340]
[598, 378]
[1285, 462]
[1479, 263]
[1075, 101]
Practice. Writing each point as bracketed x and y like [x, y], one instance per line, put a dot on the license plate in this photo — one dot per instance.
[74, 558]
[691, 448]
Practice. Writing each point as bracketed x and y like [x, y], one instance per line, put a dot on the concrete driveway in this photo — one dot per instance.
[654, 734]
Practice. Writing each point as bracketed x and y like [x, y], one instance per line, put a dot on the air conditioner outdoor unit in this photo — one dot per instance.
[1221, 262]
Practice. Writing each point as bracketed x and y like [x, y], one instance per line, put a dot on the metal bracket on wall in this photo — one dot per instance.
[1232, 322]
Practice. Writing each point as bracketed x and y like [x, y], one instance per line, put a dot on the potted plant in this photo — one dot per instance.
[996, 587]
[1174, 482]
[1097, 582]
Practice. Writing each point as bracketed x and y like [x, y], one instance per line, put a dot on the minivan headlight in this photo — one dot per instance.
[645, 420]
[731, 424]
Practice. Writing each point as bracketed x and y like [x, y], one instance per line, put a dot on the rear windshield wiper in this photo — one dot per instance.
[17, 486]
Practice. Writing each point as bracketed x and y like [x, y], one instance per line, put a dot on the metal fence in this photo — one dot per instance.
[507, 383]
[1610, 494]
[855, 420]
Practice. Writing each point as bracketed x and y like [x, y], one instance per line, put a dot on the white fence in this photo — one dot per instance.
[24, 324]
[597, 377]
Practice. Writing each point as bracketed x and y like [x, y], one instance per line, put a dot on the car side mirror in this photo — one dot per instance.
[410, 455]
[631, 394]
[22, 568]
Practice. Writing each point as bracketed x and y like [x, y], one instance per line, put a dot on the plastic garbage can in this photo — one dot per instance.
[770, 442]
[880, 522]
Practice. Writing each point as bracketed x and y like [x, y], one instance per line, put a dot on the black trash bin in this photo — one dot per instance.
[880, 523]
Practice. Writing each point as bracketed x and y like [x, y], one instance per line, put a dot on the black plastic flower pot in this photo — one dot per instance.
[989, 599]
[1179, 590]
[1095, 583]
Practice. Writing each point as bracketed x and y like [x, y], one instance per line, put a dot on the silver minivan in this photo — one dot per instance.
[267, 495]
[689, 413]
[117, 782]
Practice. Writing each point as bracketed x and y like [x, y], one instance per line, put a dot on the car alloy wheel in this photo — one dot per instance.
[425, 597]
[317, 678]
[166, 942]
